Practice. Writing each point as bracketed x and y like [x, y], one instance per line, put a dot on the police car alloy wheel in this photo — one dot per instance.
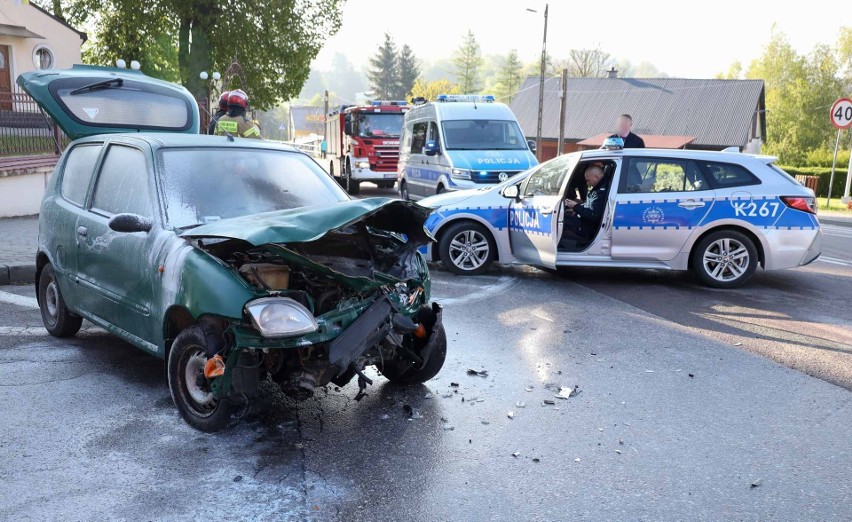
[725, 259]
[467, 248]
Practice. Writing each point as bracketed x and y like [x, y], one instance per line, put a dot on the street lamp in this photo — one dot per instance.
[215, 78]
[541, 82]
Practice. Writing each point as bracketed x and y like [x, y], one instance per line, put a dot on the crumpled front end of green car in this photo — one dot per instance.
[334, 290]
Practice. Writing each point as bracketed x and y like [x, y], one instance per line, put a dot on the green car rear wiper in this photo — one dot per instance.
[118, 82]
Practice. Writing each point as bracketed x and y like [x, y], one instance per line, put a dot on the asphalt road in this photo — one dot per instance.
[682, 408]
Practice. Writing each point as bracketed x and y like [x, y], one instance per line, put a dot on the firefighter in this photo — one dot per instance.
[221, 110]
[235, 122]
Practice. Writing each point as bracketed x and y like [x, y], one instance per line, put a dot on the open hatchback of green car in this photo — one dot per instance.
[234, 260]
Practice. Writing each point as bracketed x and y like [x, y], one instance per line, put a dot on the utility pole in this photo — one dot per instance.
[541, 83]
[833, 166]
[563, 101]
[324, 116]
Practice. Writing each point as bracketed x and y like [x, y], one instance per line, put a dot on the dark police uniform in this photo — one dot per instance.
[584, 223]
[632, 141]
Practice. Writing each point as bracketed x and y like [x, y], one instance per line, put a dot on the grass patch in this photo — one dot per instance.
[836, 205]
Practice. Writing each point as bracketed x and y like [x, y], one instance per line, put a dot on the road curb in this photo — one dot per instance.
[17, 273]
[841, 222]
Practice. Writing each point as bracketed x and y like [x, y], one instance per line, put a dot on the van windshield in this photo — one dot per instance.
[483, 135]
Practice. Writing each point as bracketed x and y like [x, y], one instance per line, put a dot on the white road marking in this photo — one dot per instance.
[22, 331]
[502, 284]
[834, 261]
[19, 300]
[832, 230]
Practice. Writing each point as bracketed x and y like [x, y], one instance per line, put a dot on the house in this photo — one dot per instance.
[30, 39]
[667, 112]
[307, 124]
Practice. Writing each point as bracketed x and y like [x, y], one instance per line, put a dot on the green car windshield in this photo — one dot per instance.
[205, 185]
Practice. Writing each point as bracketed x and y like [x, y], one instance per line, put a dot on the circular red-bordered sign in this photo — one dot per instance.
[841, 113]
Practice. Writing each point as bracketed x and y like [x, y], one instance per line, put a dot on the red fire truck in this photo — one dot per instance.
[363, 143]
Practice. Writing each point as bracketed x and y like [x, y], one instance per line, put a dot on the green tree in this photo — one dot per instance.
[383, 72]
[735, 72]
[430, 90]
[274, 43]
[509, 77]
[467, 62]
[408, 72]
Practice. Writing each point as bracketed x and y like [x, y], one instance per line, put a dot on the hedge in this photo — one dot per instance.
[824, 174]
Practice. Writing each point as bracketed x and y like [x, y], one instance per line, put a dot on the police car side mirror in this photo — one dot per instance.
[531, 145]
[431, 148]
[511, 192]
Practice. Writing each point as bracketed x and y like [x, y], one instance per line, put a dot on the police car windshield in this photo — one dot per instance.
[483, 135]
[376, 125]
[203, 185]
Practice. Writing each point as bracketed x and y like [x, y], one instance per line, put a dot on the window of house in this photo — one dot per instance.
[79, 166]
[43, 58]
[123, 183]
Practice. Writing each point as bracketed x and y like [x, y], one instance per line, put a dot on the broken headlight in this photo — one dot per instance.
[281, 317]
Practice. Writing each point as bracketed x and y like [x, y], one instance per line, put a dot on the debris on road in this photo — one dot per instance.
[520, 404]
[691, 375]
[409, 411]
[511, 415]
[547, 402]
[238, 478]
[738, 344]
[454, 384]
[567, 391]
[536, 460]
[618, 451]
[577, 459]
[428, 396]
[447, 394]
[385, 416]
[485, 422]
[479, 373]
[515, 454]
[650, 371]
[757, 483]
[528, 388]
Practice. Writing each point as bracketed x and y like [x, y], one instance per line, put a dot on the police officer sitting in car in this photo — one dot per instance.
[582, 220]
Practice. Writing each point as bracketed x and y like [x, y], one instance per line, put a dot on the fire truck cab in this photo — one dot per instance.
[363, 143]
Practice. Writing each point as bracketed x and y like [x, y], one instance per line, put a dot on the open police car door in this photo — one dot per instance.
[535, 217]
[88, 100]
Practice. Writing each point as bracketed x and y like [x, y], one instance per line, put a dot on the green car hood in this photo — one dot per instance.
[127, 101]
[302, 225]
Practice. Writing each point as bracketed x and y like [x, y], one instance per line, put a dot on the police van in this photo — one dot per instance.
[460, 142]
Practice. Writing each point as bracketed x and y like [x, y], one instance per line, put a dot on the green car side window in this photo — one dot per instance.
[123, 183]
[79, 167]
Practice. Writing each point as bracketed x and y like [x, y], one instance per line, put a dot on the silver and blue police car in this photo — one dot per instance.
[720, 214]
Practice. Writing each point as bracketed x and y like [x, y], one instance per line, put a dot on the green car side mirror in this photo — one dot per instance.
[130, 223]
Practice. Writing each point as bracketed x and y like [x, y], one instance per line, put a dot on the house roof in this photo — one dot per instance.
[19, 31]
[83, 36]
[718, 113]
[307, 119]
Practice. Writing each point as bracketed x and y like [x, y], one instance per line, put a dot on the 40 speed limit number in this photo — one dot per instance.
[841, 113]
[752, 209]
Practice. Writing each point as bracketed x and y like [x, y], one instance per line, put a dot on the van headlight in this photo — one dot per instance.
[281, 317]
[460, 174]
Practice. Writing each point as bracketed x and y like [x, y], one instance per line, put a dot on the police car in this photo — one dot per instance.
[717, 213]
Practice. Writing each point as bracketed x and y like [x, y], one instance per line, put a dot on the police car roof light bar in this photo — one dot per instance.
[465, 98]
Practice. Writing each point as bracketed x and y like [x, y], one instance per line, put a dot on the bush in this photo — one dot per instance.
[823, 157]
[824, 174]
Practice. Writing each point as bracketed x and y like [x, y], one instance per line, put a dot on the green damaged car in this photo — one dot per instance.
[235, 261]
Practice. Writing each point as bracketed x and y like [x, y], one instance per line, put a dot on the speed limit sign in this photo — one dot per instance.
[841, 113]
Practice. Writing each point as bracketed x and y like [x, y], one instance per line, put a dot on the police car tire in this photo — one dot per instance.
[697, 259]
[451, 232]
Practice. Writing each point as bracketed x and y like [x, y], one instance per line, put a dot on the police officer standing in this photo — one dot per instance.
[624, 130]
[221, 110]
[235, 122]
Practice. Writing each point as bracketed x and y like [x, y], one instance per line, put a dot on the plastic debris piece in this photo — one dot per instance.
[558, 372]
[385, 416]
[650, 371]
[515, 454]
[618, 451]
[529, 388]
[738, 344]
[536, 460]
[238, 478]
[547, 402]
[447, 394]
[448, 428]
[520, 404]
[454, 384]
[757, 483]
[298, 445]
[485, 422]
[427, 396]
[691, 375]
[566, 391]
[511, 415]
[480, 373]
[577, 459]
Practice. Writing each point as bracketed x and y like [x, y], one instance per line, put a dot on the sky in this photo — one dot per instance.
[683, 39]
